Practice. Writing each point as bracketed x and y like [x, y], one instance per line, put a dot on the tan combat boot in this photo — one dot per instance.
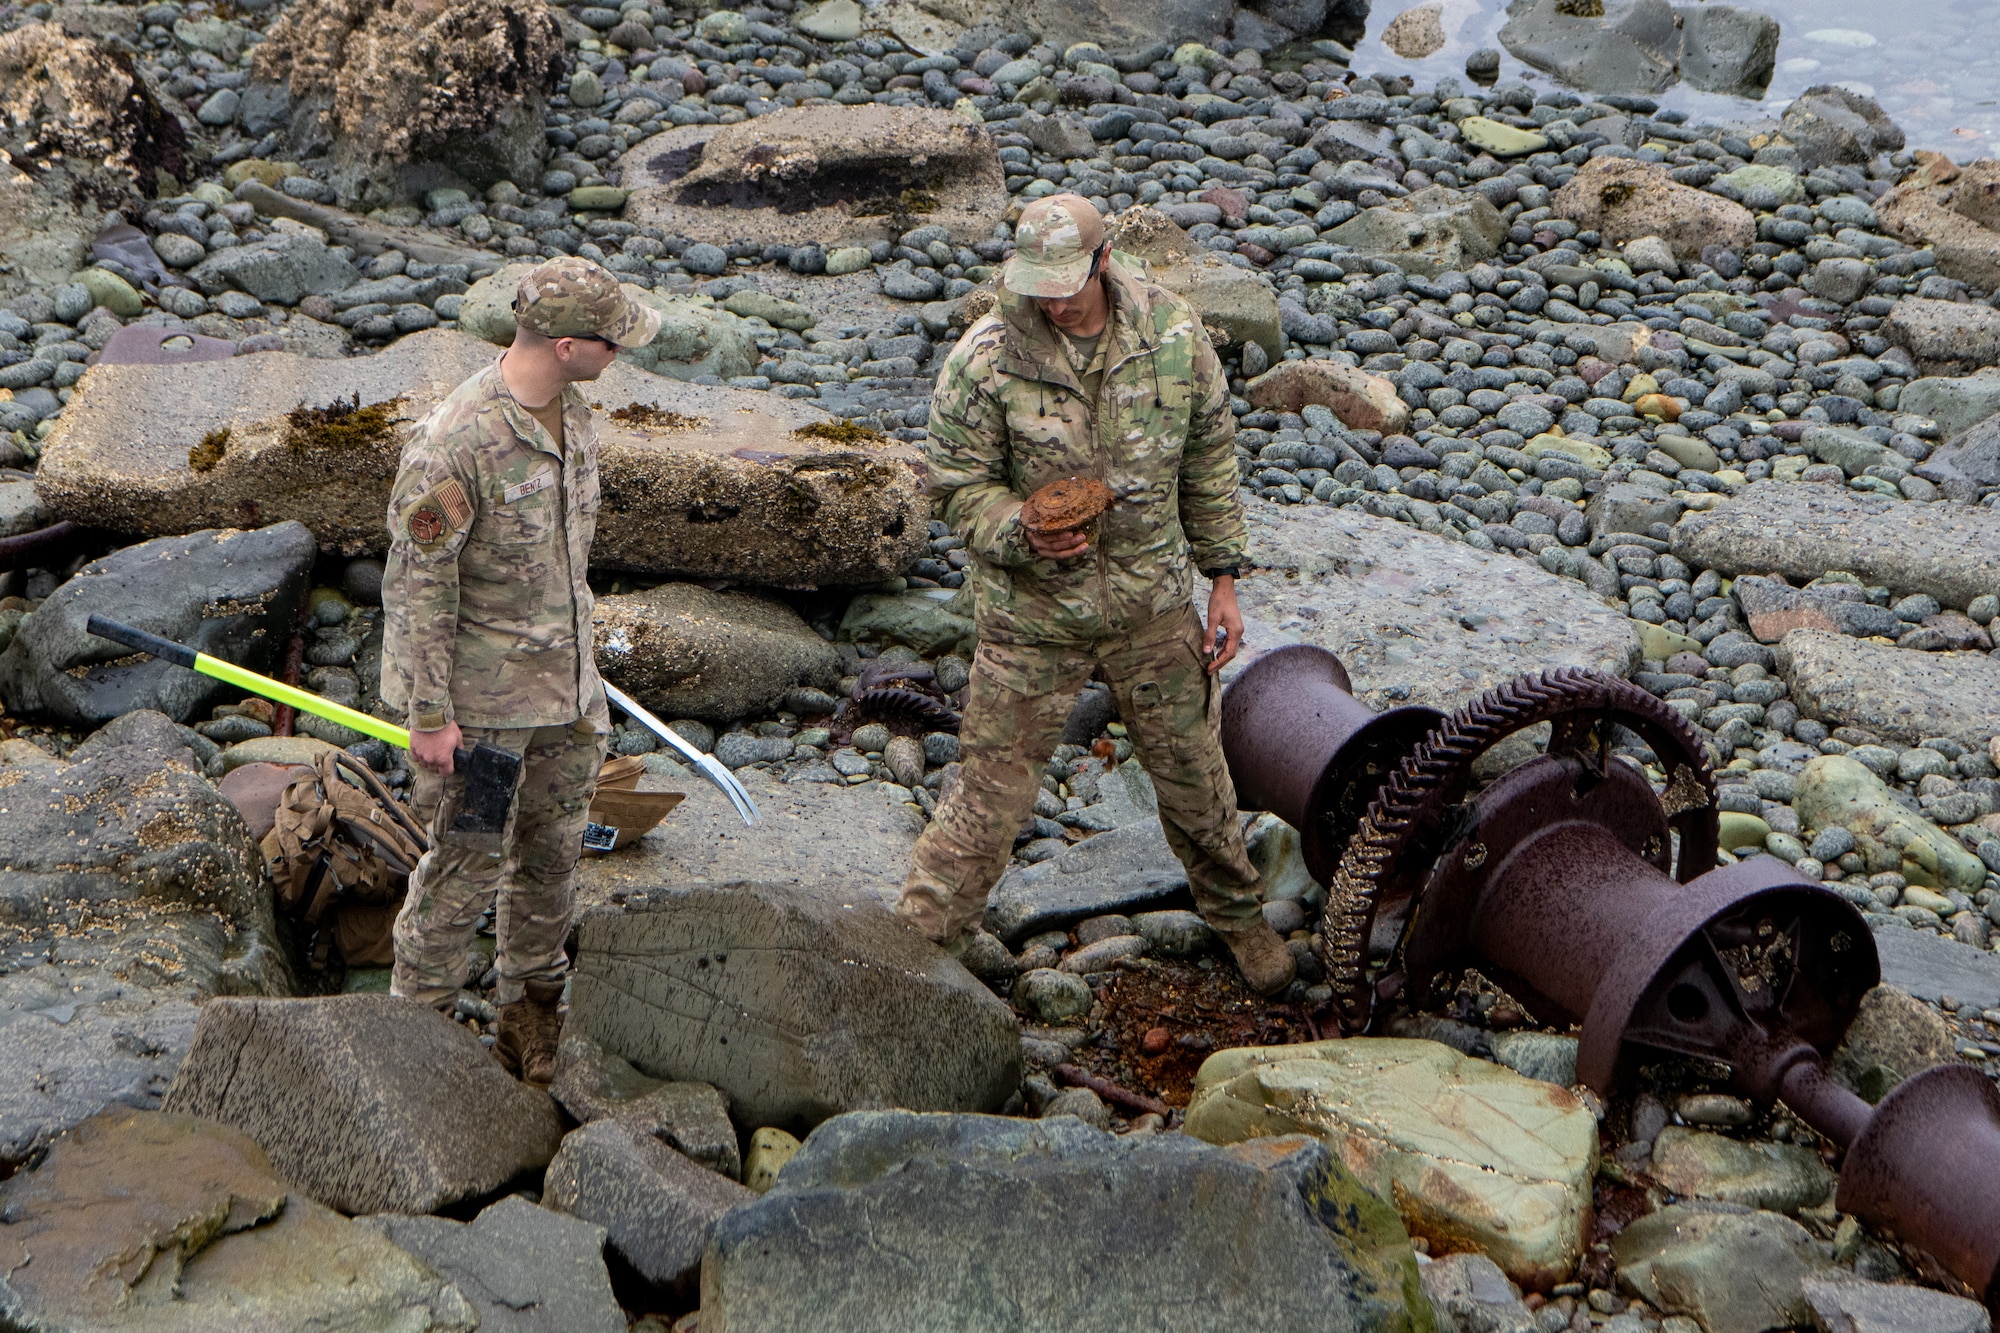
[530, 1029]
[1266, 964]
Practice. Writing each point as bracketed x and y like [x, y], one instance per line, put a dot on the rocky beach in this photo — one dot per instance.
[1596, 334]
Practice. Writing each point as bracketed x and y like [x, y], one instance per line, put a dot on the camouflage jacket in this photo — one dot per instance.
[487, 611]
[1008, 417]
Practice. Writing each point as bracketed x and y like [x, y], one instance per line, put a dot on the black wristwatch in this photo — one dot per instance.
[1213, 574]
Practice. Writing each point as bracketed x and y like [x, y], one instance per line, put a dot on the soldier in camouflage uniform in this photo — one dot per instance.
[488, 639]
[1087, 369]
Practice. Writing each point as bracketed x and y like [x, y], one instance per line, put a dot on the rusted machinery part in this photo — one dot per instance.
[876, 673]
[1300, 745]
[911, 705]
[1414, 814]
[30, 548]
[1899, 1173]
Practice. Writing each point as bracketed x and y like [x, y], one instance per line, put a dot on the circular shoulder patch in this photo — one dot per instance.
[426, 525]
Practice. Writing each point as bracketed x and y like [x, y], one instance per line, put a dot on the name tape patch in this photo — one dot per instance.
[541, 481]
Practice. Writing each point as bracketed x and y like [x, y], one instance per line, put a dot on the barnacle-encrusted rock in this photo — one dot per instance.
[412, 94]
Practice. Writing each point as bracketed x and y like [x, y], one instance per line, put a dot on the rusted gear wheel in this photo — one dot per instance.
[1418, 810]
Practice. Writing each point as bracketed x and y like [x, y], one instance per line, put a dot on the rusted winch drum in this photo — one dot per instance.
[1300, 745]
[1556, 885]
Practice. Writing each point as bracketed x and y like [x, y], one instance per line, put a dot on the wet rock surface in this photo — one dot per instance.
[798, 1002]
[984, 1193]
[345, 1093]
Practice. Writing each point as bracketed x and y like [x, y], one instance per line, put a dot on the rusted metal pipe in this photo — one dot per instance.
[26, 550]
[1300, 745]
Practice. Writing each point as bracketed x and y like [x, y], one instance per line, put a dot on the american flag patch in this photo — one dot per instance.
[457, 509]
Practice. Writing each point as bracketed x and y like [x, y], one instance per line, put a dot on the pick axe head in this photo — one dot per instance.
[491, 774]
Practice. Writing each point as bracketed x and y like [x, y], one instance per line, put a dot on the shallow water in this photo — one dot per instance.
[1933, 64]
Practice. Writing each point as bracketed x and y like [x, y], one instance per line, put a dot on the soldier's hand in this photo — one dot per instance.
[433, 749]
[1058, 545]
[1224, 615]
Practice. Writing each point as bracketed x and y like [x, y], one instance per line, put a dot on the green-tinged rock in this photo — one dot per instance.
[927, 624]
[1546, 1056]
[1853, 451]
[847, 259]
[599, 198]
[1733, 1272]
[1431, 232]
[834, 21]
[695, 337]
[773, 310]
[1781, 183]
[110, 291]
[1835, 790]
[1280, 860]
[1570, 446]
[1894, 1036]
[270, 750]
[1689, 452]
[1240, 303]
[1742, 830]
[1500, 140]
[725, 27]
[1660, 643]
[770, 1149]
[1782, 1177]
[1473, 1155]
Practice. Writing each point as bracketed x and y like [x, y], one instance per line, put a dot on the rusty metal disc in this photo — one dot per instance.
[1299, 744]
[1928, 1166]
[1416, 814]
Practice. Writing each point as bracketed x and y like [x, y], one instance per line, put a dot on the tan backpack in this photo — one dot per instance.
[340, 852]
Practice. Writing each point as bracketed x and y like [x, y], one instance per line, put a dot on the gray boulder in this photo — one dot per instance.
[684, 651]
[368, 1103]
[227, 593]
[139, 1222]
[1470, 1294]
[524, 1269]
[1971, 459]
[691, 1118]
[1052, 1224]
[283, 270]
[128, 818]
[1731, 1269]
[129, 837]
[1727, 49]
[1831, 125]
[1843, 1304]
[1631, 49]
[1956, 403]
[1126, 870]
[657, 1208]
[798, 1002]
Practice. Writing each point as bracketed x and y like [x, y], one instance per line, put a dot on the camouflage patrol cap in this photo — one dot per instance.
[571, 297]
[1054, 244]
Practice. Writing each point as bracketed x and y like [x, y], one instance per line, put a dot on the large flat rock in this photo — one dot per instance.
[1931, 967]
[798, 1002]
[1900, 694]
[1950, 551]
[723, 488]
[812, 834]
[837, 175]
[886, 1221]
[1409, 611]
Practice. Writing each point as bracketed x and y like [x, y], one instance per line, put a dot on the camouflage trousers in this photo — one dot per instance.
[1020, 697]
[527, 873]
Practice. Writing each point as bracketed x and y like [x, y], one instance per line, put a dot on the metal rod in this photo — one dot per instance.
[706, 764]
[16, 552]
